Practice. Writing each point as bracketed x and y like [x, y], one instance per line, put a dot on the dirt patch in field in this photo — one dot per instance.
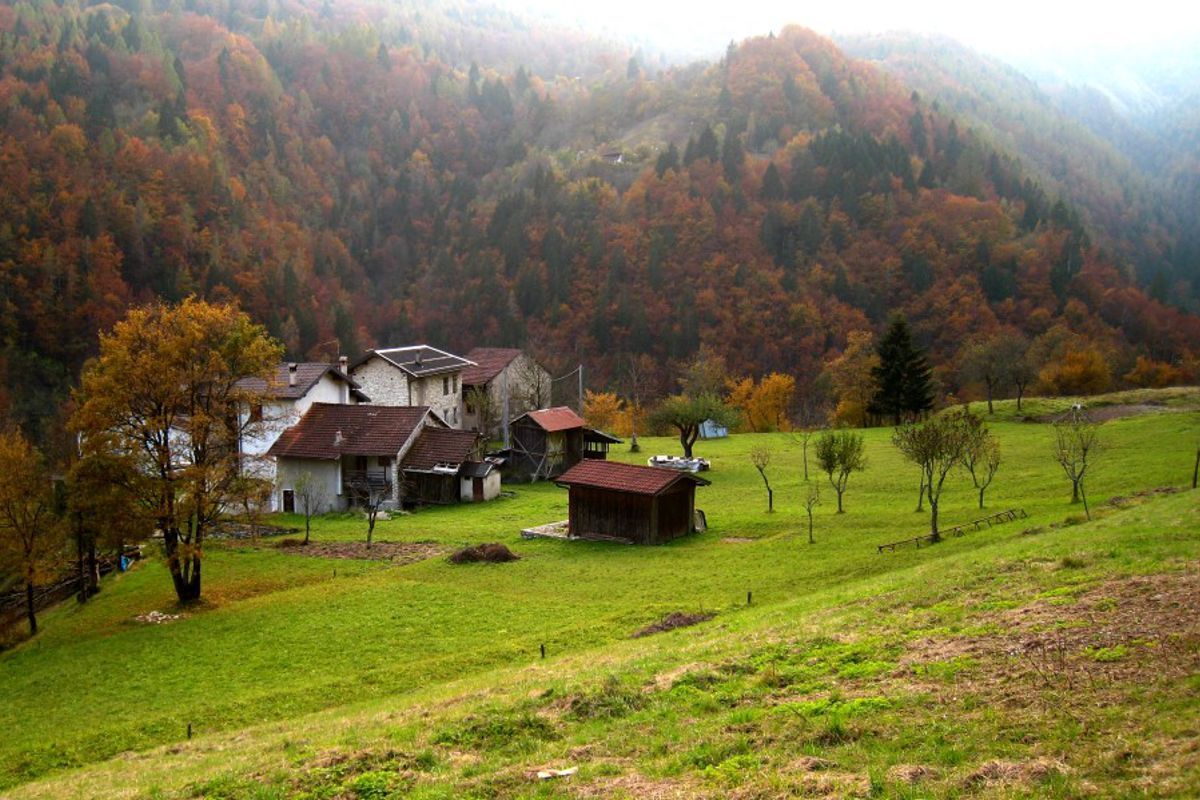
[396, 552]
[1123, 501]
[1107, 413]
[737, 540]
[642, 787]
[1008, 772]
[1139, 629]
[676, 619]
[911, 773]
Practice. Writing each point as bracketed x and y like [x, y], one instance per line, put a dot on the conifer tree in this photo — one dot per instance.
[903, 383]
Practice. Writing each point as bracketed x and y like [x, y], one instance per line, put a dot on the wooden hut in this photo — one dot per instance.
[547, 443]
[642, 505]
[444, 466]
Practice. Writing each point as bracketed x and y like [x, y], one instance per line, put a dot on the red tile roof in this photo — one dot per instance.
[620, 477]
[552, 420]
[331, 431]
[489, 362]
[441, 446]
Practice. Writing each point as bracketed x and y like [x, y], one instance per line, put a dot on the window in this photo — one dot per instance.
[385, 461]
[454, 384]
[445, 385]
[256, 412]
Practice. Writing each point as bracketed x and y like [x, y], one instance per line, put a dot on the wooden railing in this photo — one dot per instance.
[998, 518]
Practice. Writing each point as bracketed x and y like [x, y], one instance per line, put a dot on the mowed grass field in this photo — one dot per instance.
[295, 657]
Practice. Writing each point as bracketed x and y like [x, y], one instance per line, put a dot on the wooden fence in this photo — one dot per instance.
[958, 530]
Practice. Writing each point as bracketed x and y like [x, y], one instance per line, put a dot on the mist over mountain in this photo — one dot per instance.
[369, 172]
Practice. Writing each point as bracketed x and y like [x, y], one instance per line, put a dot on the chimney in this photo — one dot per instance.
[343, 362]
[292, 374]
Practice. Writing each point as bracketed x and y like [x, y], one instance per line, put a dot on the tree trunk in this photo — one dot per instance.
[193, 582]
[991, 410]
[934, 536]
[178, 579]
[839, 494]
[80, 568]
[29, 608]
[1196, 469]
[806, 462]
[1020, 391]
[1087, 512]
[1074, 490]
[770, 501]
[810, 536]
[982, 489]
[307, 526]
[686, 438]
[921, 497]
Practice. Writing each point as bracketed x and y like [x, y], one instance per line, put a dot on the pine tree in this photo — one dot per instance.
[903, 381]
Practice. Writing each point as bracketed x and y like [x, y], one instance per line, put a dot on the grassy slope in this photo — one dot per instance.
[285, 637]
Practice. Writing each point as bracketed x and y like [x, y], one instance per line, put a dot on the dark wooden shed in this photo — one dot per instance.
[548, 442]
[642, 505]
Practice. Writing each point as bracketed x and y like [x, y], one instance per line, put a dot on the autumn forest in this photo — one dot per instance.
[362, 173]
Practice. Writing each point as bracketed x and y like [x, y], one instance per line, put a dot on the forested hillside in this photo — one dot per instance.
[1132, 176]
[368, 172]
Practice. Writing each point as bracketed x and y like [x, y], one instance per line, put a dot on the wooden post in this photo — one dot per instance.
[543, 650]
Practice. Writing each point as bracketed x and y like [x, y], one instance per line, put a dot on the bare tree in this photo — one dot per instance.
[1022, 366]
[760, 457]
[372, 499]
[639, 371]
[839, 453]
[1196, 468]
[983, 360]
[812, 499]
[479, 401]
[532, 386]
[935, 446]
[809, 417]
[312, 496]
[1075, 445]
[981, 458]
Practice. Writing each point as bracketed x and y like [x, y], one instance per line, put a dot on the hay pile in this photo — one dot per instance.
[490, 553]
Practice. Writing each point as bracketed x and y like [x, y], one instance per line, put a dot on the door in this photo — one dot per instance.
[477, 489]
[289, 501]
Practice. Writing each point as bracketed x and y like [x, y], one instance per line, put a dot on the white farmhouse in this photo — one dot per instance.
[414, 376]
[289, 393]
[347, 454]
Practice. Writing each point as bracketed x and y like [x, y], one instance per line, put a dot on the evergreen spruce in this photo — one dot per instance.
[903, 382]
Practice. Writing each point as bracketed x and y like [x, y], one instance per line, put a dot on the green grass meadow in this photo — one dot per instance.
[321, 677]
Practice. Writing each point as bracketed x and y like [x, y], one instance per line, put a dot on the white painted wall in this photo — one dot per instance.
[491, 487]
[326, 474]
[278, 416]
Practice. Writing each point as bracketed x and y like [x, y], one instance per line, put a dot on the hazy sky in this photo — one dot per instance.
[1010, 28]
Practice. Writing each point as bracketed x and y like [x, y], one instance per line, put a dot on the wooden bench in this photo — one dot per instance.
[958, 530]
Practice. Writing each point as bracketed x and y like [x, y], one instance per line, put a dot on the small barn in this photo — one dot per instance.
[445, 466]
[710, 429]
[548, 442]
[627, 502]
